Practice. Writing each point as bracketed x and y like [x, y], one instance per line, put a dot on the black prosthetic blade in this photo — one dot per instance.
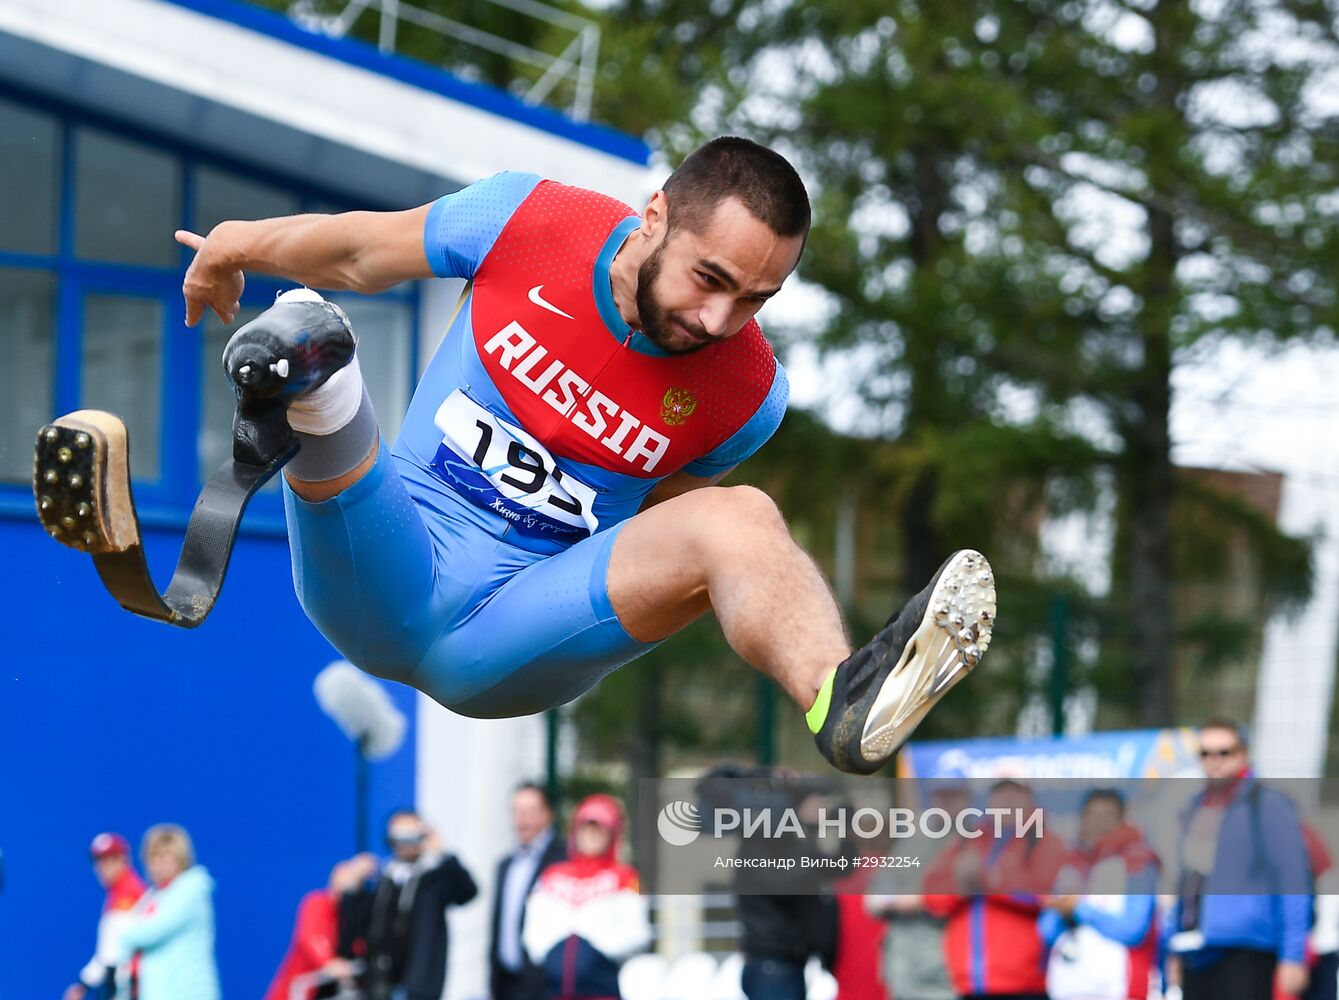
[81, 483]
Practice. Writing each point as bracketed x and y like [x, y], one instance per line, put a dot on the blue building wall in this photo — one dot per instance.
[108, 721]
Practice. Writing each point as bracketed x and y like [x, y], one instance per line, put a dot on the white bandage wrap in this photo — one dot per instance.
[299, 295]
[333, 405]
[329, 408]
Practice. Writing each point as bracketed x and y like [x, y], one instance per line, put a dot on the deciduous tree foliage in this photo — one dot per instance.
[1029, 213]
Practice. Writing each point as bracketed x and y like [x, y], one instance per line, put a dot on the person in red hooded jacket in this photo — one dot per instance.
[316, 931]
[988, 888]
[585, 916]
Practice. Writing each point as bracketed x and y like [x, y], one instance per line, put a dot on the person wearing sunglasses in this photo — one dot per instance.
[399, 923]
[1244, 889]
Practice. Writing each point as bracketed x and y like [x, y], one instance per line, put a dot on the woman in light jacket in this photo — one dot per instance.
[167, 947]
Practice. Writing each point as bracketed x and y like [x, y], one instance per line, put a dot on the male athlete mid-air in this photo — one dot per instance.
[550, 512]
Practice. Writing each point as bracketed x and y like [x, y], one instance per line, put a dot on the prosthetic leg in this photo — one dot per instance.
[81, 469]
[81, 478]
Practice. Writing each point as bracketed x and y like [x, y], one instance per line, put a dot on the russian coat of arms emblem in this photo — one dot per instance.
[677, 406]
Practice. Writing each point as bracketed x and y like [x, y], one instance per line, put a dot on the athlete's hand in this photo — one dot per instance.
[210, 281]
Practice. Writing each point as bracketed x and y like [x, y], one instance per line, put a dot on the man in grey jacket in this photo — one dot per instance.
[1245, 889]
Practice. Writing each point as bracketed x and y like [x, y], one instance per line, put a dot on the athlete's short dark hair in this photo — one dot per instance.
[731, 167]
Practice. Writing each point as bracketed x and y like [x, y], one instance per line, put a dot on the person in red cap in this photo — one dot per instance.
[585, 916]
[110, 853]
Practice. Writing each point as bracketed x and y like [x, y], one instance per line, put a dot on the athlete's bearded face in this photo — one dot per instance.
[696, 289]
[657, 323]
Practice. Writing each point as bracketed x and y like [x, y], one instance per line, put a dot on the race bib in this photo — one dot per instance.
[503, 469]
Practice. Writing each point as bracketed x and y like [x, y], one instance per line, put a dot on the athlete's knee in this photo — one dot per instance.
[728, 516]
[749, 508]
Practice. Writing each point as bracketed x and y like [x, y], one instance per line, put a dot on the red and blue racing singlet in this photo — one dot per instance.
[542, 407]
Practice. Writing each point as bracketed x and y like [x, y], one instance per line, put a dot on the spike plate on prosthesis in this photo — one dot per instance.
[81, 482]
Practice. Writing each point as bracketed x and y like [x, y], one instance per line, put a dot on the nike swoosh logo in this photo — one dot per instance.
[538, 300]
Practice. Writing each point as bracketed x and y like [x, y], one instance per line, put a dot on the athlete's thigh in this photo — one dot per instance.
[662, 562]
[541, 639]
[364, 570]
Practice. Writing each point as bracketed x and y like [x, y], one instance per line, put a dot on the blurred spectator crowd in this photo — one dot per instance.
[566, 914]
[1015, 913]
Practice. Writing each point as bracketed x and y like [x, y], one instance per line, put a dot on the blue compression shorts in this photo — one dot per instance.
[419, 590]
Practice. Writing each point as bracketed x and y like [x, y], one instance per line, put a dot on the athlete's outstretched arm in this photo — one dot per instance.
[356, 251]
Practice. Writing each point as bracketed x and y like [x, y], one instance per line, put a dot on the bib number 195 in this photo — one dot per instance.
[504, 469]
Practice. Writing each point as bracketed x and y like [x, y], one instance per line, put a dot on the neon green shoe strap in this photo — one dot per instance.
[818, 715]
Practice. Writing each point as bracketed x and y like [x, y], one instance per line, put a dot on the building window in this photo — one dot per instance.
[220, 195]
[385, 329]
[127, 200]
[90, 301]
[123, 371]
[27, 378]
[29, 179]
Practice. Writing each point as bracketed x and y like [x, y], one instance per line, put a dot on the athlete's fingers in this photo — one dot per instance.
[194, 290]
[195, 309]
[228, 313]
[189, 239]
[221, 293]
